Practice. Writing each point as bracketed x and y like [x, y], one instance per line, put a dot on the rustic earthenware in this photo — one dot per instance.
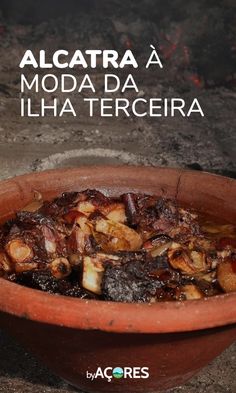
[72, 336]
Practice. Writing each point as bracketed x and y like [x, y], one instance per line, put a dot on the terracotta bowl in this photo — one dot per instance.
[73, 337]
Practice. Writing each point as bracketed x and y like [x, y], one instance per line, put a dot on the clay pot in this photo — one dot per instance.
[73, 337]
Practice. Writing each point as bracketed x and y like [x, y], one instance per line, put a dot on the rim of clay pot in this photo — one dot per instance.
[163, 317]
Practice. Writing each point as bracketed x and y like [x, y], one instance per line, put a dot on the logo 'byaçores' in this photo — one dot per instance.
[116, 373]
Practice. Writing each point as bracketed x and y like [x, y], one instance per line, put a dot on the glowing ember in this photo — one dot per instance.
[196, 80]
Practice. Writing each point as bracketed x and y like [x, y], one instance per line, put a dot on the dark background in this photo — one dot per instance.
[206, 23]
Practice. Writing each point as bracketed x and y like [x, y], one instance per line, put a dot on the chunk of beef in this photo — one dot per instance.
[153, 215]
[139, 280]
[34, 237]
[69, 200]
[44, 281]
